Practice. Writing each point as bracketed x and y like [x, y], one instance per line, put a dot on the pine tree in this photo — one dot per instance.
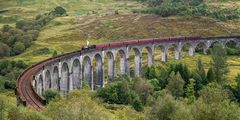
[200, 70]
[210, 75]
[55, 53]
[199, 76]
[175, 85]
[190, 91]
[219, 63]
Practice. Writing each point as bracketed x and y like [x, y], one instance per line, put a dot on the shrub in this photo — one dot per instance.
[78, 105]
[10, 85]
[18, 48]
[232, 51]
[137, 104]
[49, 95]
[117, 92]
[143, 89]
[166, 108]
[175, 85]
[4, 50]
[42, 51]
[59, 11]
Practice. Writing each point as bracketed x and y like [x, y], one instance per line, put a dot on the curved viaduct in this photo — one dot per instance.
[67, 72]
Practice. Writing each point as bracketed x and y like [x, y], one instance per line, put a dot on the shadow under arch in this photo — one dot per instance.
[121, 62]
[147, 56]
[111, 65]
[40, 85]
[55, 79]
[47, 80]
[137, 63]
[158, 54]
[87, 70]
[172, 51]
[76, 74]
[65, 81]
[98, 72]
[201, 48]
[187, 49]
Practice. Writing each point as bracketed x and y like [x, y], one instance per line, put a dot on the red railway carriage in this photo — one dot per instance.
[116, 44]
[161, 40]
[131, 42]
[102, 46]
[146, 41]
[177, 38]
[192, 38]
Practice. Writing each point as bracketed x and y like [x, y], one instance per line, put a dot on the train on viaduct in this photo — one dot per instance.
[68, 71]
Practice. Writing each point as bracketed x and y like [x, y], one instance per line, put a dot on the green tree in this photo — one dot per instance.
[219, 63]
[34, 34]
[143, 89]
[151, 72]
[199, 76]
[6, 28]
[200, 70]
[210, 75]
[78, 105]
[213, 104]
[54, 53]
[175, 85]
[50, 95]
[59, 11]
[18, 48]
[137, 104]
[167, 108]
[4, 50]
[183, 70]
[26, 40]
[190, 93]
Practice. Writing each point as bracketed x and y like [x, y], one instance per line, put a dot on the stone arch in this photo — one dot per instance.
[47, 80]
[40, 85]
[76, 74]
[65, 80]
[231, 43]
[201, 47]
[111, 65]
[189, 48]
[137, 62]
[87, 70]
[148, 50]
[121, 59]
[216, 42]
[98, 73]
[55, 79]
[160, 53]
[173, 51]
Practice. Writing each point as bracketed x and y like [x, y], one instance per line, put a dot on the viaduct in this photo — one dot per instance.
[67, 72]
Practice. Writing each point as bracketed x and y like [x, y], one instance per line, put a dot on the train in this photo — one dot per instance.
[154, 40]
